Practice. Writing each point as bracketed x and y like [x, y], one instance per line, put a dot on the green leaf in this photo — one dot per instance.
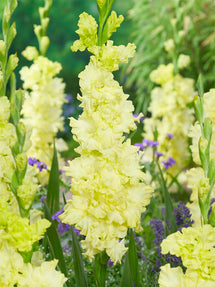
[6, 22]
[12, 5]
[199, 110]
[207, 129]
[53, 193]
[80, 276]
[11, 66]
[126, 280]
[54, 243]
[133, 260]
[167, 200]
[211, 174]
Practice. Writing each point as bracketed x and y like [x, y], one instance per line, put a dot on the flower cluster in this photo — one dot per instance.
[195, 246]
[42, 107]
[197, 181]
[195, 130]
[18, 233]
[108, 195]
[170, 115]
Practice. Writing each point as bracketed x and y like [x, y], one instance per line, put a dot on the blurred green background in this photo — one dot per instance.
[64, 17]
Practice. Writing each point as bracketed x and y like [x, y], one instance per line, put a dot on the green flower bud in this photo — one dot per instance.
[38, 31]
[2, 50]
[21, 161]
[44, 44]
[11, 66]
[203, 188]
[198, 106]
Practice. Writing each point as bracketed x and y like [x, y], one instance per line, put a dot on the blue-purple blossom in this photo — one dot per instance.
[150, 143]
[158, 230]
[42, 198]
[137, 115]
[109, 263]
[77, 231]
[140, 145]
[170, 136]
[182, 216]
[62, 227]
[40, 165]
[210, 209]
[32, 161]
[159, 154]
[168, 163]
[146, 143]
[66, 249]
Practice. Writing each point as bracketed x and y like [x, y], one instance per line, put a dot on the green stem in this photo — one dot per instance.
[101, 260]
[103, 15]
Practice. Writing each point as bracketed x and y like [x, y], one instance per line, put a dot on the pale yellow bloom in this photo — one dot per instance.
[44, 275]
[107, 182]
[170, 115]
[169, 46]
[162, 74]
[183, 61]
[30, 53]
[87, 32]
[42, 107]
[175, 277]
[195, 246]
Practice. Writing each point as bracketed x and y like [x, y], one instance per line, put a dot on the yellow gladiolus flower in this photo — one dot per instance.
[108, 195]
[195, 246]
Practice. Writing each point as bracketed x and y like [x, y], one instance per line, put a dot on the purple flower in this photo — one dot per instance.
[182, 215]
[137, 115]
[41, 165]
[210, 209]
[168, 163]
[66, 249]
[77, 231]
[32, 161]
[62, 227]
[159, 154]
[61, 171]
[158, 230]
[170, 136]
[109, 263]
[150, 143]
[140, 145]
[42, 198]
[69, 97]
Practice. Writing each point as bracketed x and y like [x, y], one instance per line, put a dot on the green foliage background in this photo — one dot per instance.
[152, 27]
[64, 17]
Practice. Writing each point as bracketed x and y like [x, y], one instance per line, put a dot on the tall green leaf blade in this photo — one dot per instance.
[168, 202]
[80, 276]
[54, 243]
[133, 260]
[53, 193]
[126, 280]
